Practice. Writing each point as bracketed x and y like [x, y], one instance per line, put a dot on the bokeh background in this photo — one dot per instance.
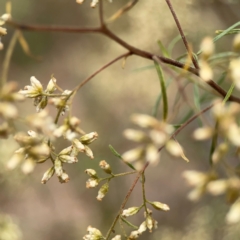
[63, 211]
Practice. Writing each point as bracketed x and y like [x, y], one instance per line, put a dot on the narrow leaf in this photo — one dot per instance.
[173, 43]
[128, 223]
[25, 46]
[229, 93]
[119, 156]
[163, 89]
[163, 49]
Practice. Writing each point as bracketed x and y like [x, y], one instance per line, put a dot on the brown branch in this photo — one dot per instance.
[125, 200]
[133, 50]
[51, 28]
[182, 34]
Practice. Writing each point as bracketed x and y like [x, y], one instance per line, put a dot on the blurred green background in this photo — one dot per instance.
[63, 211]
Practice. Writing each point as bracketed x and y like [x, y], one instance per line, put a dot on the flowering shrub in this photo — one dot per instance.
[39, 144]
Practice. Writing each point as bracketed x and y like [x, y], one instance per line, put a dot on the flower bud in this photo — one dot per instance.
[160, 206]
[152, 154]
[233, 215]
[130, 211]
[217, 187]
[91, 172]
[92, 182]
[105, 166]
[206, 72]
[5, 17]
[40, 150]
[74, 122]
[88, 152]
[28, 166]
[67, 159]
[203, 133]
[174, 148]
[47, 175]
[58, 167]
[79, 1]
[51, 87]
[8, 110]
[16, 159]
[133, 154]
[93, 234]
[234, 68]
[207, 47]
[63, 178]
[3, 31]
[117, 237]
[144, 121]
[133, 235]
[236, 43]
[103, 191]
[78, 145]
[66, 151]
[135, 135]
[88, 138]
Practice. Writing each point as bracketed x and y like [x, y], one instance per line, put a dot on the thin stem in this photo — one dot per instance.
[8, 57]
[144, 193]
[124, 174]
[101, 13]
[189, 121]
[100, 70]
[182, 33]
[122, 10]
[125, 200]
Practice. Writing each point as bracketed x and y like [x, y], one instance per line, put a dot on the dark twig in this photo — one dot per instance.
[182, 34]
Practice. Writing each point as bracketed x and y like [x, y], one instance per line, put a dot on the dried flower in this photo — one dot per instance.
[105, 166]
[47, 175]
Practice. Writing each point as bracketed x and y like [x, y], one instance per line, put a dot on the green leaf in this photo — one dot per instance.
[173, 43]
[119, 156]
[234, 31]
[128, 223]
[163, 49]
[163, 89]
[229, 93]
[158, 101]
[223, 33]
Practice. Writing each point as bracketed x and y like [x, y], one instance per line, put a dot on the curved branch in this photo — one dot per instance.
[133, 50]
